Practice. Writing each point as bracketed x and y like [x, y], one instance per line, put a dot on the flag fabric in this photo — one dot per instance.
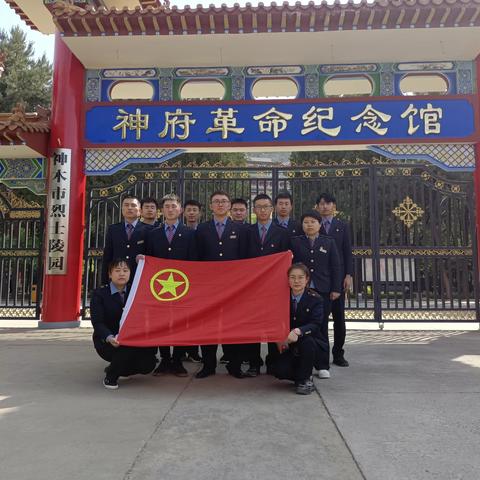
[174, 302]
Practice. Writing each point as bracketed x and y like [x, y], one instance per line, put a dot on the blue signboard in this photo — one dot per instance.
[183, 124]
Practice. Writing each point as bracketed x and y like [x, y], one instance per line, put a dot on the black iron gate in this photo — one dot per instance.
[412, 228]
[21, 236]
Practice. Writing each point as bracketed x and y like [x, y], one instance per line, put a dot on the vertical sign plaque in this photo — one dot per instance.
[58, 211]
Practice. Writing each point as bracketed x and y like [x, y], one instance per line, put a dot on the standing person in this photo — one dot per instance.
[306, 345]
[319, 253]
[263, 238]
[171, 240]
[340, 232]
[149, 211]
[125, 239]
[106, 309]
[283, 212]
[217, 240]
[239, 211]
[192, 211]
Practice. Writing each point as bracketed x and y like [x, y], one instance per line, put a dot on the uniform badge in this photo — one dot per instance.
[233, 236]
[140, 241]
[272, 245]
[322, 250]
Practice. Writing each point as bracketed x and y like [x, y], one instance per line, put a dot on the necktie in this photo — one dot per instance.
[264, 233]
[122, 296]
[284, 224]
[294, 305]
[129, 230]
[312, 242]
[326, 226]
[220, 227]
[170, 233]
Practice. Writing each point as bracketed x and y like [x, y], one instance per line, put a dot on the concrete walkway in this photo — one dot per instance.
[407, 408]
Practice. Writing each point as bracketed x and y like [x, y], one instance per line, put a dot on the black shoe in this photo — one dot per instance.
[178, 370]
[304, 388]
[204, 373]
[162, 369]
[340, 362]
[235, 372]
[252, 372]
[224, 359]
[194, 357]
[110, 383]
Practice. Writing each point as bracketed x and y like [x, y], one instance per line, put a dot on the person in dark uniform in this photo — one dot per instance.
[239, 211]
[340, 232]
[217, 240]
[106, 309]
[263, 238]
[175, 241]
[192, 212]
[306, 345]
[149, 211]
[283, 212]
[319, 253]
[125, 239]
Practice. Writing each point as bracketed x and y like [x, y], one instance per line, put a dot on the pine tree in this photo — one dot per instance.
[25, 79]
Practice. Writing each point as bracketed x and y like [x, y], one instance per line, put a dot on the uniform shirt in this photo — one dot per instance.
[266, 225]
[175, 226]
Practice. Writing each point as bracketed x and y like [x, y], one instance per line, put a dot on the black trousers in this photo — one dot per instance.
[327, 307]
[339, 328]
[126, 361]
[297, 362]
[178, 353]
[232, 352]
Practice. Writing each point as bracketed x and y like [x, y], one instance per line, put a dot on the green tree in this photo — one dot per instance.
[25, 79]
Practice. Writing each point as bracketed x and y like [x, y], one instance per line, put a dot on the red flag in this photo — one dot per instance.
[174, 302]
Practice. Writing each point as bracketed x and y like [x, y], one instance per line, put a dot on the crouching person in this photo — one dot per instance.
[106, 309]
[305, 346]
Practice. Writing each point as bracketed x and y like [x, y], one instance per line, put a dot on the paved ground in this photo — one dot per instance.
[407, 408]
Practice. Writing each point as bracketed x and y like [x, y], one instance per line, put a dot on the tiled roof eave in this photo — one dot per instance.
[311, 17]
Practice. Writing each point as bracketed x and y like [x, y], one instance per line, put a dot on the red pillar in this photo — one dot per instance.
[61, 293]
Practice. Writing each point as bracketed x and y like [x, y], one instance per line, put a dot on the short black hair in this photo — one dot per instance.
[131, 196]
[326, 197]
[285, 196]
[299, 266]
[145, 200]
[117, 262]
[240, 200]
[262, 196]
[220, 192]
[311, 214]
[193, 203]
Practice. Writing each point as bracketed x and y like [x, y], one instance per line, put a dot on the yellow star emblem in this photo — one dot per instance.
[169, 284]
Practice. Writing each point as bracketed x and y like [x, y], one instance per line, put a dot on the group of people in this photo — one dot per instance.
[320, 274]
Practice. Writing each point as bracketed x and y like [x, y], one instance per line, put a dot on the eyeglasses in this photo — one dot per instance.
[262, 207]
[220, 202]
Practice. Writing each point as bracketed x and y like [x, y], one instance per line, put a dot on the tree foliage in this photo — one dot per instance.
[26, 78]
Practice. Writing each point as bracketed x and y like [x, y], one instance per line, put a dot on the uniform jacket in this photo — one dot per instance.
[322, 260]
[232, 245]
[294, 228]
[309, 318]
[117, 245]
[183, 246]
[277, 240]
[106, 310]
[340, 232]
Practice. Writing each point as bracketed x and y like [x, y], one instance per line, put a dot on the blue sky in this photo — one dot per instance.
[42, 43]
